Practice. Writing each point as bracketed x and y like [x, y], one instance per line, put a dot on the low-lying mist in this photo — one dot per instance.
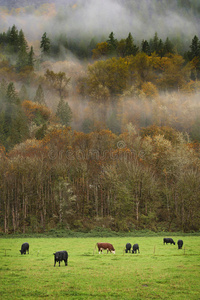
[81, 20]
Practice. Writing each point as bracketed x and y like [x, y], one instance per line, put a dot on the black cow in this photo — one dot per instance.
[60, 256]
[180, 244]
[128, 248]
[135, 248]
[24, 248]
[168, 241]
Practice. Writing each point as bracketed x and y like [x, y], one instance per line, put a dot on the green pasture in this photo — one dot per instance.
[158, 272]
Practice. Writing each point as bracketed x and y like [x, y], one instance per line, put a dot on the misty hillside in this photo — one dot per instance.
[88, 18]
[99, 115]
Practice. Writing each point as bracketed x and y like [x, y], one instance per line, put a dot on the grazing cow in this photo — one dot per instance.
[180, 244]
[105, 246]
[135, 248]
[24, 248]
[60, 256]
[168, 241]
[128, 248]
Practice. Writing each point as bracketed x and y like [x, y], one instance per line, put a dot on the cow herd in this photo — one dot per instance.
[60, 256]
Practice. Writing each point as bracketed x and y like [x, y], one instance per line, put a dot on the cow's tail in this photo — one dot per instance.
[94, 248]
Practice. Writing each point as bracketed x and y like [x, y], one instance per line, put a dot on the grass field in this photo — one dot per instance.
[158, 272]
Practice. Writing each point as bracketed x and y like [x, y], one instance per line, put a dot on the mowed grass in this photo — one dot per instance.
[158, 272]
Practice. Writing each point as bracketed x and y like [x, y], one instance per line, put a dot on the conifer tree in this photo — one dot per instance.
[155, 43]
[31, 58]
[195, 48]
[39, 96]
[22, 43]
[145, 47]
[45, 44]
[130, 48]
[168, 46]
[11, 94]
[22, 58]
[13, 39]
[64, 112]
[112, 42]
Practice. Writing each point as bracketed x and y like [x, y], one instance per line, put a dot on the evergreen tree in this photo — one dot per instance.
[194, 56]
[39, 96]
[23, 94]
[130, 48]
[13, 39]
[22, 43]
[45, 44]
[11, 94]
[64, 112]
[168, 46]
[31, 58]
[145, 47]
[154, 43]
[22, 58]
[112, 42]
[160, 50]
[195, 48]
[19, 129]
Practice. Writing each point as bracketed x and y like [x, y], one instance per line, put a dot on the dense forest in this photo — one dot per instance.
[102, 131]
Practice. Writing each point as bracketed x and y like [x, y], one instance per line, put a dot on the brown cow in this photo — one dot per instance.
[105, 246]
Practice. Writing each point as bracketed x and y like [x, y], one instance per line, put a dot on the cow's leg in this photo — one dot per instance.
[59, 263]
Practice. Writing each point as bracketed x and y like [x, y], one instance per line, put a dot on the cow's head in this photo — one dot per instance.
[21, 251]
[57, 255]
[113, 251]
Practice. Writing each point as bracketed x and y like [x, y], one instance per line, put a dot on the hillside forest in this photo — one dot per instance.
[103, 132]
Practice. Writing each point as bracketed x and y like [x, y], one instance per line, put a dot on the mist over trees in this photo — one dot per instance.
[102, 130]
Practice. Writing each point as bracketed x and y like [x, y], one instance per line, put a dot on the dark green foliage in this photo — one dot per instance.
[11, 94]
[13, 39]
[130, 47]
[195, 48]
[13, 42]
[22, 41]
[168, 46]
[194, 55]
[30, 61]
[13, 123]
[45, 44]
[40, 133]
[112, 42]
[22, 59]
[145, 47]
